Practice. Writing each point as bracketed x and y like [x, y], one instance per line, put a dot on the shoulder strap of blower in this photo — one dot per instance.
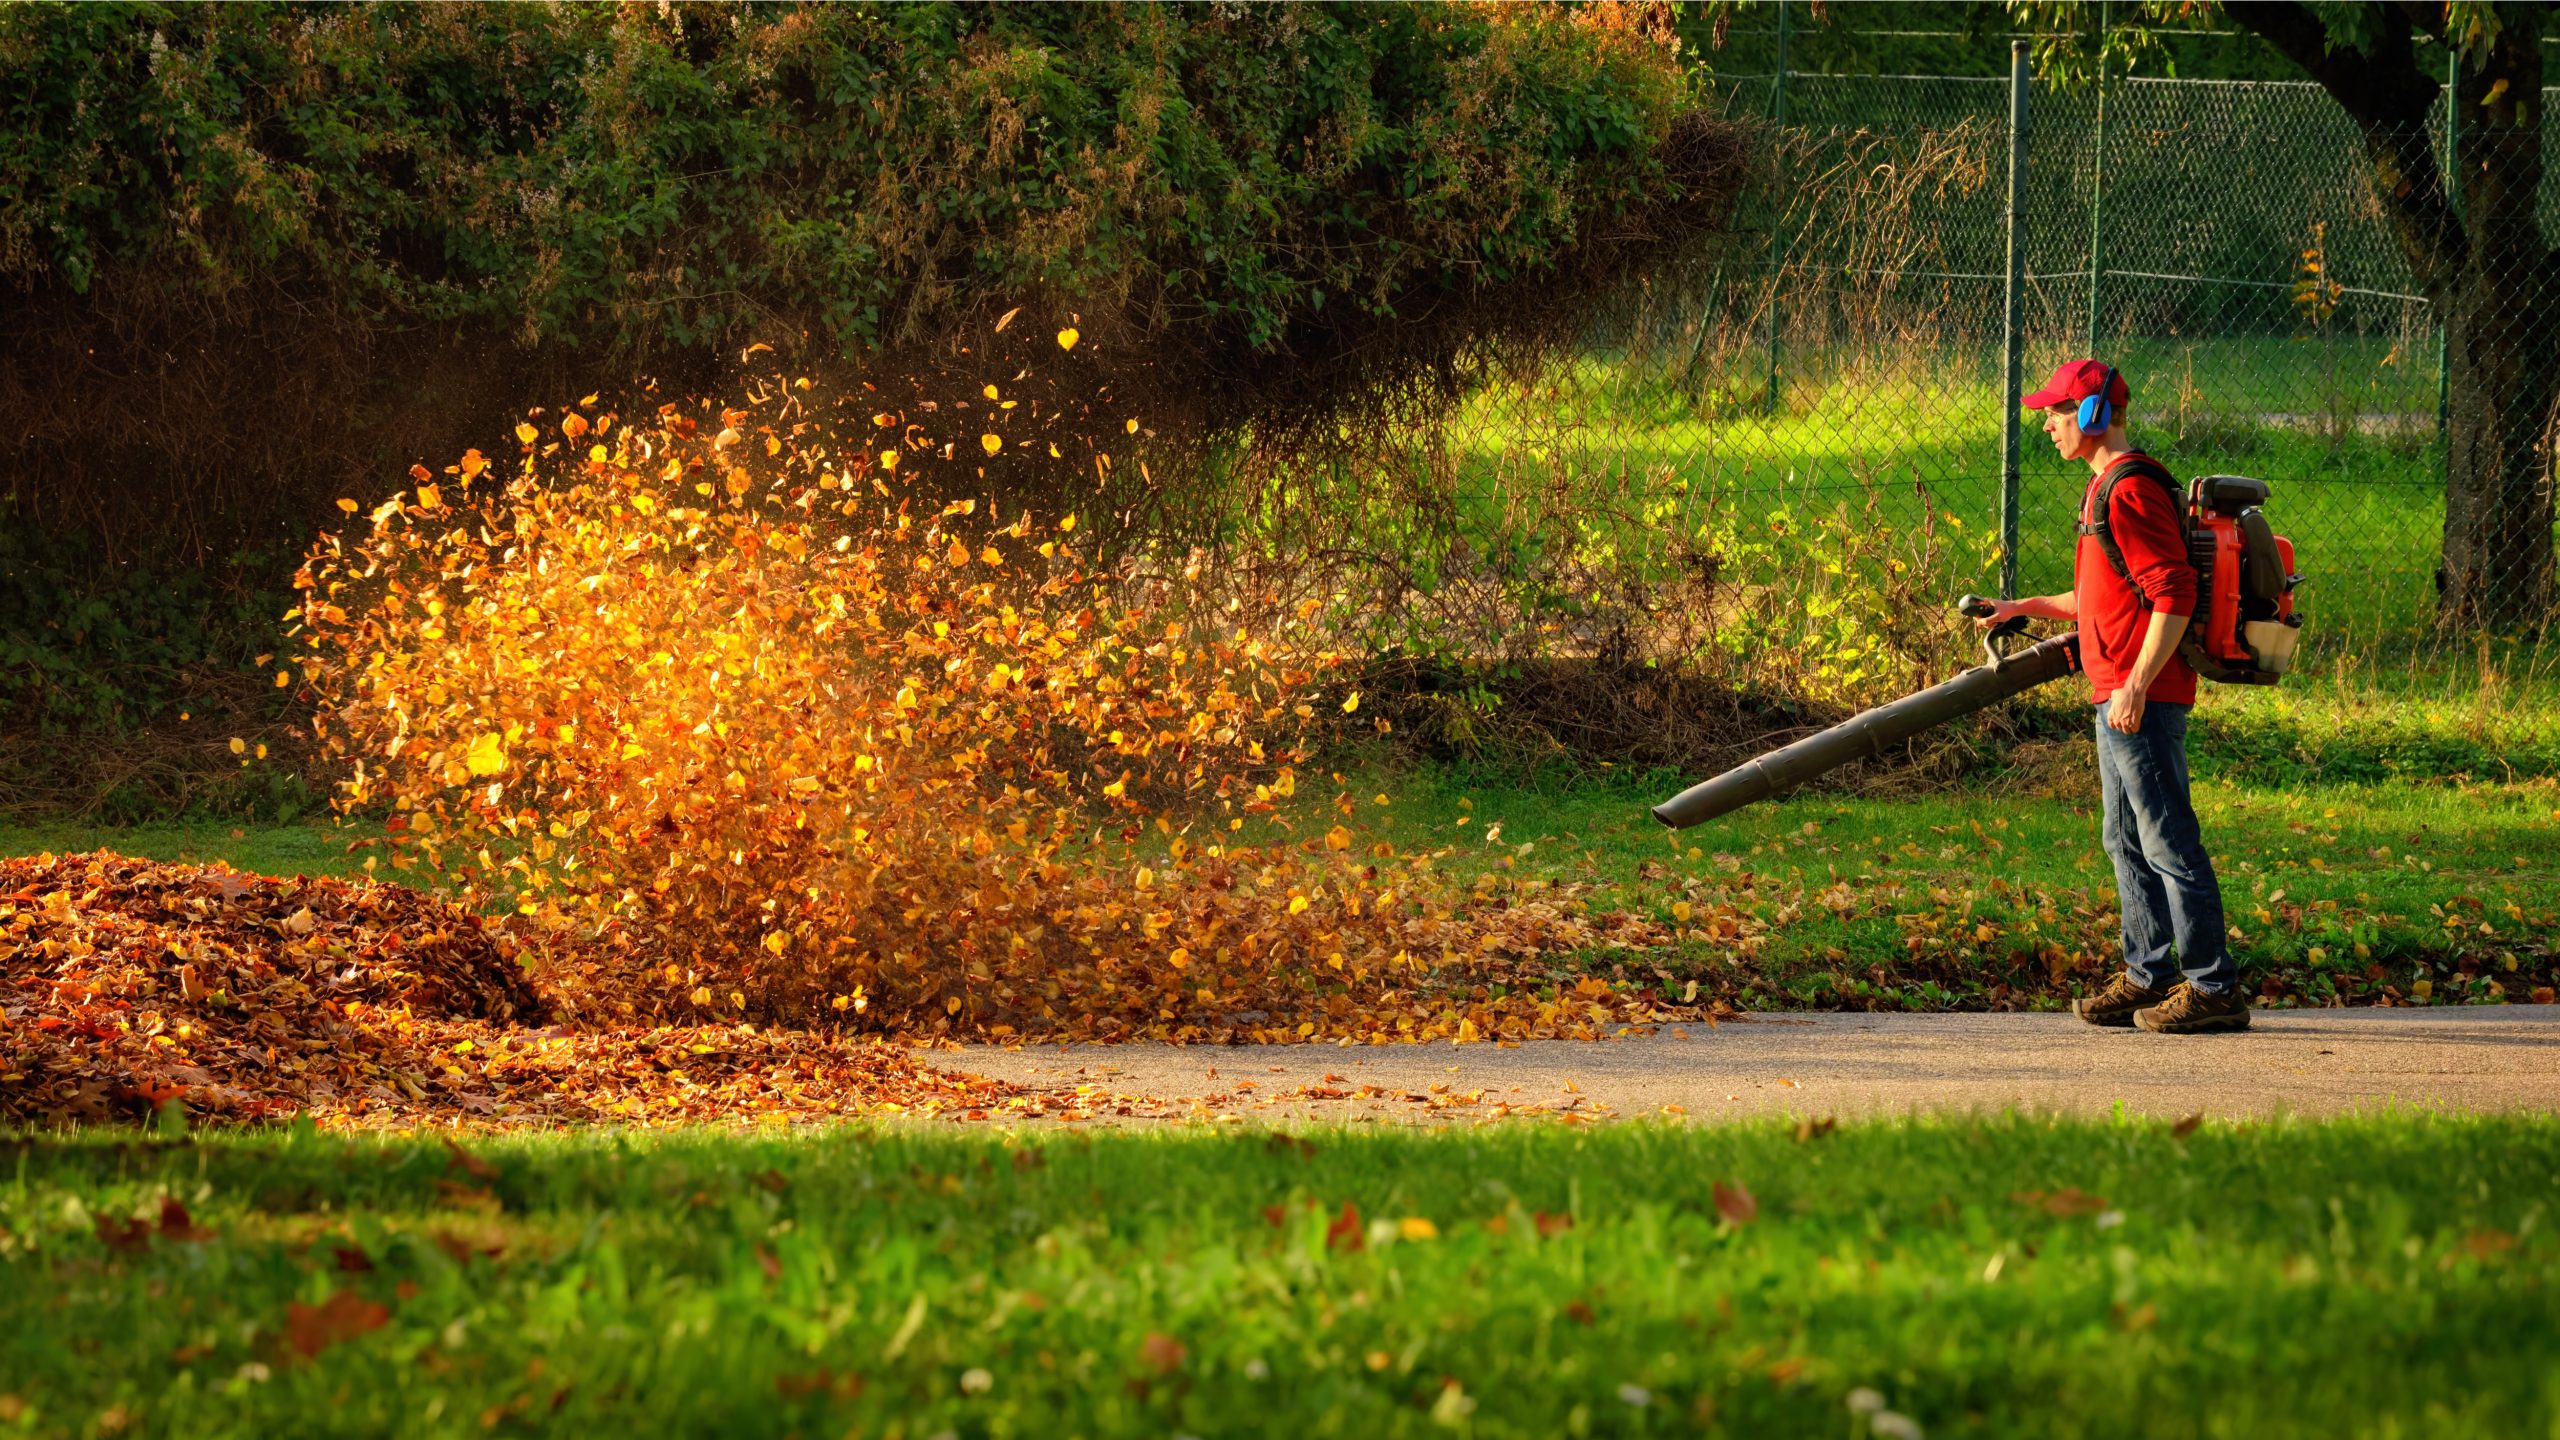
[2101, 513]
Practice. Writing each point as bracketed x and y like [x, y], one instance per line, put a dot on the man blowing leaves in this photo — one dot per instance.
[2132, 593]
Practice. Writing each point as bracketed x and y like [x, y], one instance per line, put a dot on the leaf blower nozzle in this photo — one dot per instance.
[1873, 732]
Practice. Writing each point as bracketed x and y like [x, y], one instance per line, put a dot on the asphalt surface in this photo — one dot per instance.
[2301, 1062]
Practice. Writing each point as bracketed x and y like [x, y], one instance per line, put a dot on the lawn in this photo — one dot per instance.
[2383, 1275]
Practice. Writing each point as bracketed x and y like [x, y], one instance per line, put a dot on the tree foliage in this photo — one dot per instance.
[644, 178]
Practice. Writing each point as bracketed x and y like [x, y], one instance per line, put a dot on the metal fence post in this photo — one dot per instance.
[1777, 228]
[2010, 326]
[2098, 185]
[2452, 141]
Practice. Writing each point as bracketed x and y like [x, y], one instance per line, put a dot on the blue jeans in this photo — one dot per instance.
[2164, 880]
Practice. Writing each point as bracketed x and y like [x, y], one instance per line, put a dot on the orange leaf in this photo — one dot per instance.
[1345, 1231]
[345, 1315]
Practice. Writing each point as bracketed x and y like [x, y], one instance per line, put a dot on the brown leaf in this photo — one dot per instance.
[123, 1235]
[1345, 1231]
[472, 1165]
[1735, 1204]
[2064, 1203]
[2187, 1126]
[2481, 1244]
[1553, 1223]
[351, 1259]
[176, 1224]
[821, 1381]
[1810, 1128]
[1162, 1353]
[345, 1315]
[469, 1197]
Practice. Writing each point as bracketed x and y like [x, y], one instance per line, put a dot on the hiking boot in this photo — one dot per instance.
[2115, 1004]
[2189, 1011]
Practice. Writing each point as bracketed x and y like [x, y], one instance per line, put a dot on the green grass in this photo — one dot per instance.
[2376, 1276]
[264, 849]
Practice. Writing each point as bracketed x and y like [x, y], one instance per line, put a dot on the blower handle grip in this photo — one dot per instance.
[1978, 608]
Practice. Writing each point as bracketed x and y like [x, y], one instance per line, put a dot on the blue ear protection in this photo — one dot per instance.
[2098, 411]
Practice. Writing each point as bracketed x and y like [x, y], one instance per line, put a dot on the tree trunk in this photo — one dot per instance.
[2499, 305]
[2502, 375]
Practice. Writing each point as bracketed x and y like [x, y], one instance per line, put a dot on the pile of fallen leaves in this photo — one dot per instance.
[126, 984]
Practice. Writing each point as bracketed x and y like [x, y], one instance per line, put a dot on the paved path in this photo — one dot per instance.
[2305, 1062]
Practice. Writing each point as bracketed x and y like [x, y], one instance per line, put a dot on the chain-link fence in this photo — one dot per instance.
[2222, 243]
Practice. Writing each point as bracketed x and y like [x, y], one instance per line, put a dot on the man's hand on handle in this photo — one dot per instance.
[1987, 612]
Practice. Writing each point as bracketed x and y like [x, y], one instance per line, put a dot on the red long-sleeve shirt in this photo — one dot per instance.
[2115, 614]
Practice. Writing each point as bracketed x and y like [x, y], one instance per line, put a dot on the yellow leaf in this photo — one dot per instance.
[702, 995]
[1068, 523]
[990, 392]
[1133, 425]
[430, 498]
[1681, 911]
[778, 941]
[347, 505]
[526, 432]
[283, 678]
[991, 443]
[239, 746]
[1351, 704]
[1297, 904]
[888, 459]
[1415, 1227]
[487, 756]
[1067, 338]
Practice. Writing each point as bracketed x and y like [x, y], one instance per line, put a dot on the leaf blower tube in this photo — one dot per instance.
[1875, 731]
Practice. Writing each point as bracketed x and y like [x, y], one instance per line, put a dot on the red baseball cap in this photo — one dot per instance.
[2076, 380]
